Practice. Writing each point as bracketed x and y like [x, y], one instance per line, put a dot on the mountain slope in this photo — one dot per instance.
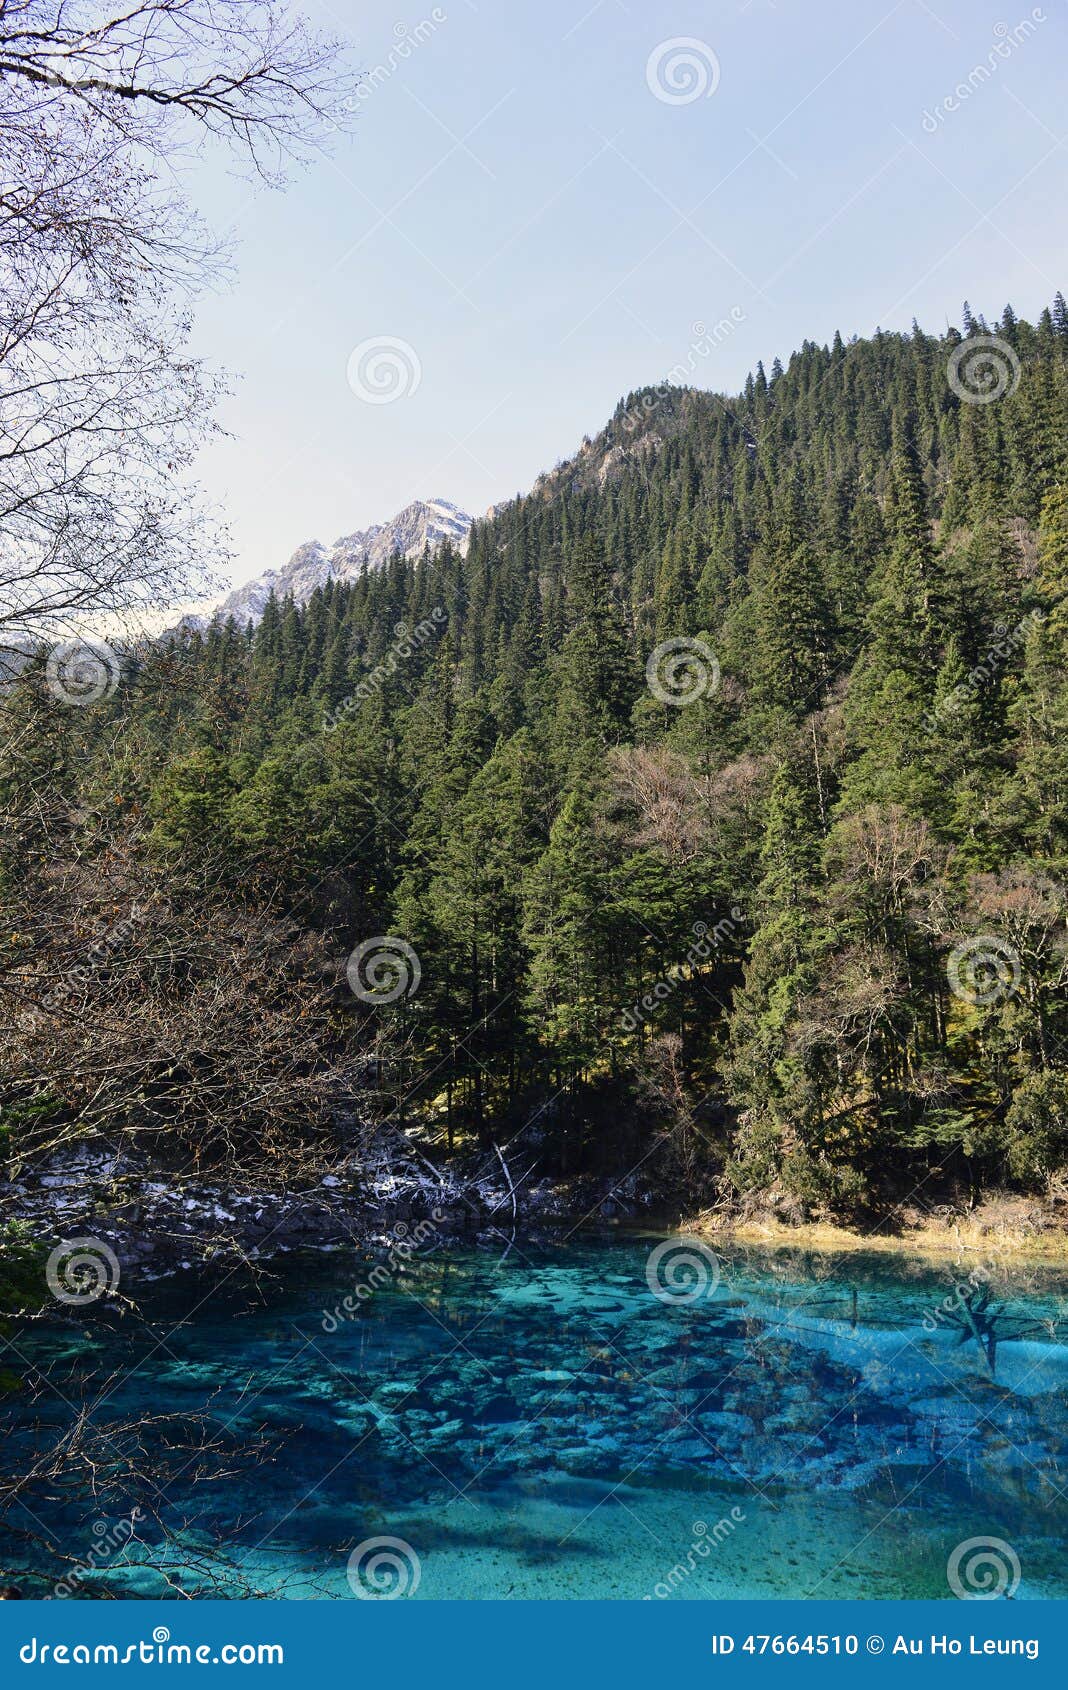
[710, 810]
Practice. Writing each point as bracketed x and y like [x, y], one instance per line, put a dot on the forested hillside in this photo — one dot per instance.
[709, 817]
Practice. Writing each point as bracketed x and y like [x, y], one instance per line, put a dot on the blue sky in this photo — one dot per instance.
[551, 204]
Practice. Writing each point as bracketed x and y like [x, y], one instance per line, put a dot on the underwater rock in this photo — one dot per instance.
[497, 1375]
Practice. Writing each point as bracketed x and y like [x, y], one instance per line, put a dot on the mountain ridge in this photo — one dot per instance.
[423, 523]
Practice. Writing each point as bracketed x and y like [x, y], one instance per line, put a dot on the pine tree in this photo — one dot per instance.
[793, 625]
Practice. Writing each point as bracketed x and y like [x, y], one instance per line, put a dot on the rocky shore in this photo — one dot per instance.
[157, 1223]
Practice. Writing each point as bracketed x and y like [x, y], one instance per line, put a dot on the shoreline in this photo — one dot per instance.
[1043, 1245]
[156, 1222]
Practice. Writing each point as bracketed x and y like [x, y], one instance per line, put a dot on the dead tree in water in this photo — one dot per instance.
[989, 1323]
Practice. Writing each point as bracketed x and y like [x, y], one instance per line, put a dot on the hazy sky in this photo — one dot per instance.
[550, 204]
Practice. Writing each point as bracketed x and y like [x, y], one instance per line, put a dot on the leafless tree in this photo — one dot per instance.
[676, 809]
[198, 1029]
[116, 1466]
[102, 408]
[245, 70]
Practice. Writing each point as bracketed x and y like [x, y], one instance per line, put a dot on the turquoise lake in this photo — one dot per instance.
[553, 1422]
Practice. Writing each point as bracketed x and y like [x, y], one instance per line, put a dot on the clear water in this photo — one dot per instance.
[540, 1424]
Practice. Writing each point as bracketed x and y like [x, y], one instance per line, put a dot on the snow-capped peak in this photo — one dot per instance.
[424, 523]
